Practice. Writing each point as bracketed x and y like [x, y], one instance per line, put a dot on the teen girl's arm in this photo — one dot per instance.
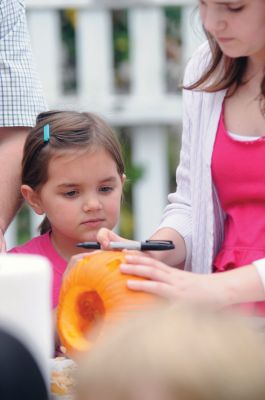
[217, 290]
[174, 257]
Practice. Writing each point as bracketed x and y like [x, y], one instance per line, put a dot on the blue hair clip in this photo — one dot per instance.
[46, 133]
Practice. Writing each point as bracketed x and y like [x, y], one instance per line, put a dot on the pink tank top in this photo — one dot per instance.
[238, 170]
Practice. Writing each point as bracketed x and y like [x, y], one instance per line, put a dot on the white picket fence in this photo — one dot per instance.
[147, 109]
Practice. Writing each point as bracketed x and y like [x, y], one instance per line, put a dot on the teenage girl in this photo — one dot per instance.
[216, 217]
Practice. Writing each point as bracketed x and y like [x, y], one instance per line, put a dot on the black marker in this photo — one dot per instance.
[147, 245]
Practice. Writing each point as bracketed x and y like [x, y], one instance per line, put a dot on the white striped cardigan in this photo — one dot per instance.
[194, 210]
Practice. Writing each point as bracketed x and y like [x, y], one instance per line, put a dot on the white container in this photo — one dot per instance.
[25, 304]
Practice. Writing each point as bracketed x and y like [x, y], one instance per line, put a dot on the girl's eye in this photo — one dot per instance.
[72, 193]
[106, 189]
[238, 9]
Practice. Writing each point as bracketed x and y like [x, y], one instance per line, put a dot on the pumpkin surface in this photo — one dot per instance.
[93, 297]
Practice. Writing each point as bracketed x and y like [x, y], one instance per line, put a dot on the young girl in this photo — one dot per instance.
[73, 172]
[217, 215]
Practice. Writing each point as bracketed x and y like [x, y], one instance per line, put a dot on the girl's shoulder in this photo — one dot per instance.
[36, 245]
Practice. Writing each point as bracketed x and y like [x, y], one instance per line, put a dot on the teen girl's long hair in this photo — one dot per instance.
[224, 72]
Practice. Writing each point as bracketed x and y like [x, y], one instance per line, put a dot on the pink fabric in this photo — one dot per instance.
[238, 174]
[42, 245]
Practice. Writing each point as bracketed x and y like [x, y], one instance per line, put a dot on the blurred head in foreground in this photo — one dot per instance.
[21, 378]
[177, 353]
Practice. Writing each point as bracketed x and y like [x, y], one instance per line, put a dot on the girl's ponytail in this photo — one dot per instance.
[45, 226]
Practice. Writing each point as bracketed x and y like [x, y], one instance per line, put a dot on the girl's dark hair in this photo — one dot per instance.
[223, 72]
[68, 130]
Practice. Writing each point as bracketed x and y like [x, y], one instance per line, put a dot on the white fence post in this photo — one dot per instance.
[150, 193]
[44, 27]
[11, 235]
[148, 142]
[94, 56]
[34, 220]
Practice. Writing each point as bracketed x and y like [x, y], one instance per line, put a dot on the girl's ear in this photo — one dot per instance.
[32, 198]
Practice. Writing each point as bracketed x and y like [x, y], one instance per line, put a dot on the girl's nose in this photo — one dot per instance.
[91, 203]
[212, 21]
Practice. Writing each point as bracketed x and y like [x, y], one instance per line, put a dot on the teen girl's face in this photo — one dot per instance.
[238, 26]
[82, 194]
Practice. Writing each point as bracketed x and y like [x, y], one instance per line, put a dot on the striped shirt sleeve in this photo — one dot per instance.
[21, 97]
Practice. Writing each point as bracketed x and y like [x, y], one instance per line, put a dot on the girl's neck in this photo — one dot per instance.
[256, 67]
[65, 248]
[253, 78]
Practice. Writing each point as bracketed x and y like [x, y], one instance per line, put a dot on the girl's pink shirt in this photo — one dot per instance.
[42, 245]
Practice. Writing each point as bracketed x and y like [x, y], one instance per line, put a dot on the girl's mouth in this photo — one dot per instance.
[93, 223]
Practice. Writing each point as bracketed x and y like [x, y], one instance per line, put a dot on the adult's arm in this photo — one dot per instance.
[21, 95]
[21, 99]
[11, 146]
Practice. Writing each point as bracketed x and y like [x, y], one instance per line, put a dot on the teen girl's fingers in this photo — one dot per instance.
[139, 258]
[148, 268]
[168, 282]
[179, 287]
[171, 283]
[104, 236]
[159, 289]
[144, 272]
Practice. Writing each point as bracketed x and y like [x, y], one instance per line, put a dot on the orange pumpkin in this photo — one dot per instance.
[93, 297]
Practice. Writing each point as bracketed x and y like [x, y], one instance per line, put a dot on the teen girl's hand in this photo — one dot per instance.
[216, 290]
[105, 236]
[171, 283]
